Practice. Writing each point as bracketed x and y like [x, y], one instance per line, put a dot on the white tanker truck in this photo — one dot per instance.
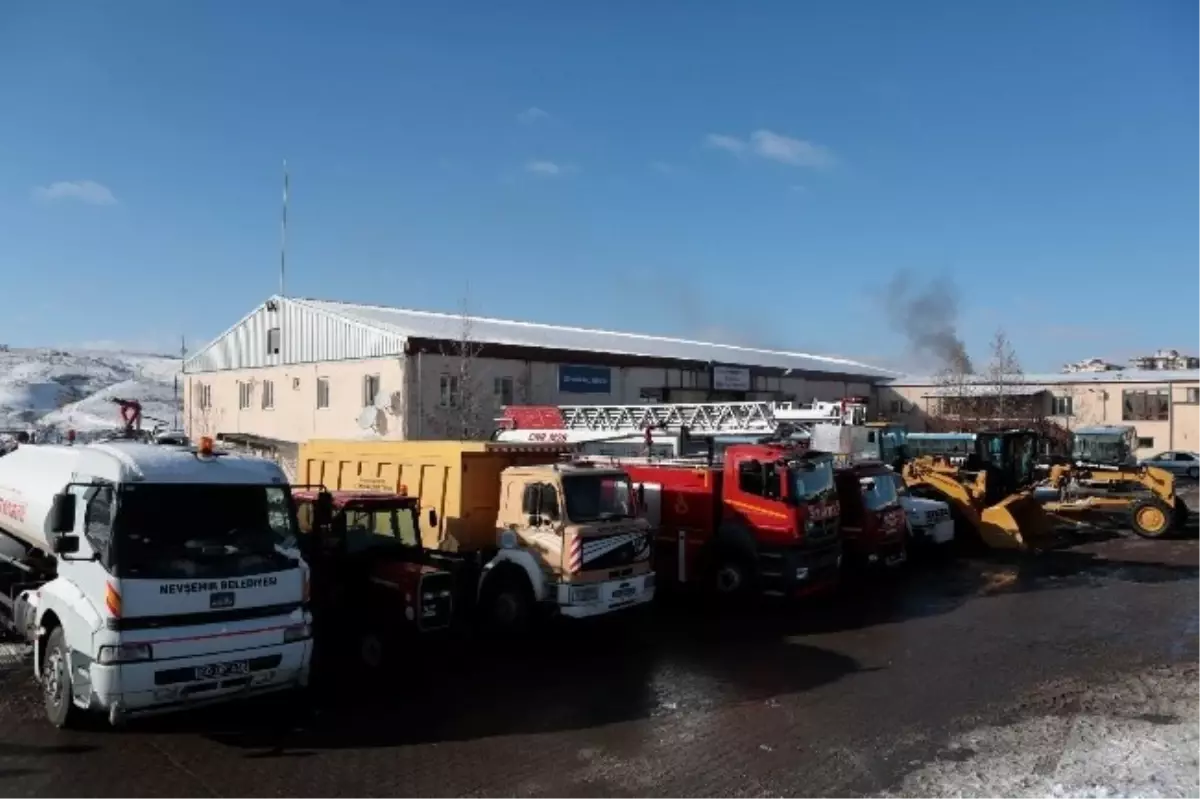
[151, 578]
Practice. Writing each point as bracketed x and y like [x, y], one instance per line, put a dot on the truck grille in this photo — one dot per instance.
[823, 530]
[436, 601]
[936, 516]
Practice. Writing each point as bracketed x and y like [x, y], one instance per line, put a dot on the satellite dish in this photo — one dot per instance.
[370, 418]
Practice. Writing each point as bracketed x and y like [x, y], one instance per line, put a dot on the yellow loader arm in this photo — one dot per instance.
[1012, 523]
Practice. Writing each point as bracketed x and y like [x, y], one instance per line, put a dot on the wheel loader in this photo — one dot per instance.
[1103, 475]
[992, 492]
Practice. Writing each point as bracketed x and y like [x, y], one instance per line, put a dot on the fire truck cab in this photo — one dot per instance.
[873, 520]
[764, 520]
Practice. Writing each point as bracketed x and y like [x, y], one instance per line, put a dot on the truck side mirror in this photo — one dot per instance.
[64, 544]
[323, 509]
[433, 518]
[62, 514]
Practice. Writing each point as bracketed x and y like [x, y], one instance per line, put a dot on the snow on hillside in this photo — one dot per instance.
[57, 390]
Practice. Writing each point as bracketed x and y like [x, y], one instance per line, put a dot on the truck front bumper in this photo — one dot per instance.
[159, 686]
[940, 533]
[801, 570]
[579, 600]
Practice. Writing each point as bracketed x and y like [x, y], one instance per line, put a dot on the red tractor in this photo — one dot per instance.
[371, 579]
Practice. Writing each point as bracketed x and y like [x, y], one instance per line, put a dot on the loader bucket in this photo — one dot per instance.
[1015, 522]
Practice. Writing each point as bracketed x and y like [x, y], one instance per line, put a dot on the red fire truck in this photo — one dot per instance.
[763, 520]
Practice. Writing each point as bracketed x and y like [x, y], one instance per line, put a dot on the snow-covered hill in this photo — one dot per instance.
[57, 390]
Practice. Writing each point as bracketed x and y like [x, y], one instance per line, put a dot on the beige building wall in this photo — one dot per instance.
[1093, 403]
[413, 403]
[293, 415]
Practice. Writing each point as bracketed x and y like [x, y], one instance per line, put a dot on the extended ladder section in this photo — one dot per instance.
[582, 422]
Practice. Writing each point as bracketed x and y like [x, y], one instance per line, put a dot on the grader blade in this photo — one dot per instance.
[1016, 522]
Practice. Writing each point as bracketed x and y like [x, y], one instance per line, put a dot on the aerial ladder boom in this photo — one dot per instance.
[588, 423]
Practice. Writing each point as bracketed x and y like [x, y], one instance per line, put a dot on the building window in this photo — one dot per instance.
[273, 341]
[203, 394]
[1193, 396]
[898, 406]
[322, 392]
[1064, 406]
[449, 388]
[370, 390]
[1145, 405]
[268, 395]
[502, 387]
[245, 391]
[1145, 443]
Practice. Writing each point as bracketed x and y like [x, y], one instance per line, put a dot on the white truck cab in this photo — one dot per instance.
[151, 577]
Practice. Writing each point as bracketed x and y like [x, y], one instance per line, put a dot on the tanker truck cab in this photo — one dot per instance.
[570, 540]
[151, 578]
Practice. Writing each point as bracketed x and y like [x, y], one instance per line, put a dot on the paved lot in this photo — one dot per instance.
[1072, 673]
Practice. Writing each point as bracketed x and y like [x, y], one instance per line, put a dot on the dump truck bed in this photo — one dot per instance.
[458, 479]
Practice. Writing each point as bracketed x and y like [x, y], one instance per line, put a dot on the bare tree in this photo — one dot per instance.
[1002, 373]
[957, 391]
[463, 408]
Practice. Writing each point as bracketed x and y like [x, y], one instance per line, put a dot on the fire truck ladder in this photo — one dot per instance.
[701, 418]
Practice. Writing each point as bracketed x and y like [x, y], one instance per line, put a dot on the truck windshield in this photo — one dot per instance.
[597, 497]
[170, 531]
[369, 527]
[814, 483]
[878, 491]
[1099, 448]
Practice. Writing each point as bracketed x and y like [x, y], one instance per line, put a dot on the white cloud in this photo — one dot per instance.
[728, 143]
[775, 147]
[531, 115]
[548, 168]
[786, 150]
[85, 191]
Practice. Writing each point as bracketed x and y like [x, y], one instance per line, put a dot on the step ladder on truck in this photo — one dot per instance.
[151, 577]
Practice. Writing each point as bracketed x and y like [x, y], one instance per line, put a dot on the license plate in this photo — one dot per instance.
[624, 591]
[428, 610]
[222, 599]
[216, 670]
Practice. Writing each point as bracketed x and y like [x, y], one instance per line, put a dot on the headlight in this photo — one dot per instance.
[584, 593]
[124, 653]
[296, 632]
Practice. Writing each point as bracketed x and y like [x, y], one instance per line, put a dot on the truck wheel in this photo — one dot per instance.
[56, 682]
[507, 604]
[732, 576]
[1150, 518]
[372, 652]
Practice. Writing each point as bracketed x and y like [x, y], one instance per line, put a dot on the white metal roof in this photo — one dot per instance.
[379, 330]
[1047, 380]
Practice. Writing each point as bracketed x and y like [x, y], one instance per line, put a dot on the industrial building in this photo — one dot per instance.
[295, 369]
[1163, 405]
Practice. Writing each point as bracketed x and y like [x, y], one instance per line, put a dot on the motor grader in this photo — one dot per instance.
[991, 493]
[1103, 475]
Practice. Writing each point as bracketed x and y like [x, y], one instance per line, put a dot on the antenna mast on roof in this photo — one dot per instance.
[283, 233]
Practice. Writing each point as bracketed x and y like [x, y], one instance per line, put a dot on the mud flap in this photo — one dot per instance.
[1016, 522]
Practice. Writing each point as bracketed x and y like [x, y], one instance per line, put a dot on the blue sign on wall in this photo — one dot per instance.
[584, 379]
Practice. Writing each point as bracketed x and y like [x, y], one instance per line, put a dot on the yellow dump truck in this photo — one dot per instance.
[531, 530]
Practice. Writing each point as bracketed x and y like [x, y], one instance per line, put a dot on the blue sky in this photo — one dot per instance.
[753, 172]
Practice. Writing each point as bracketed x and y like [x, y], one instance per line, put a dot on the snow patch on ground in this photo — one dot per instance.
[55, 390]
[1138, 738]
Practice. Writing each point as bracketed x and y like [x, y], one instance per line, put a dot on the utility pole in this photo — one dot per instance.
[283, 234]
